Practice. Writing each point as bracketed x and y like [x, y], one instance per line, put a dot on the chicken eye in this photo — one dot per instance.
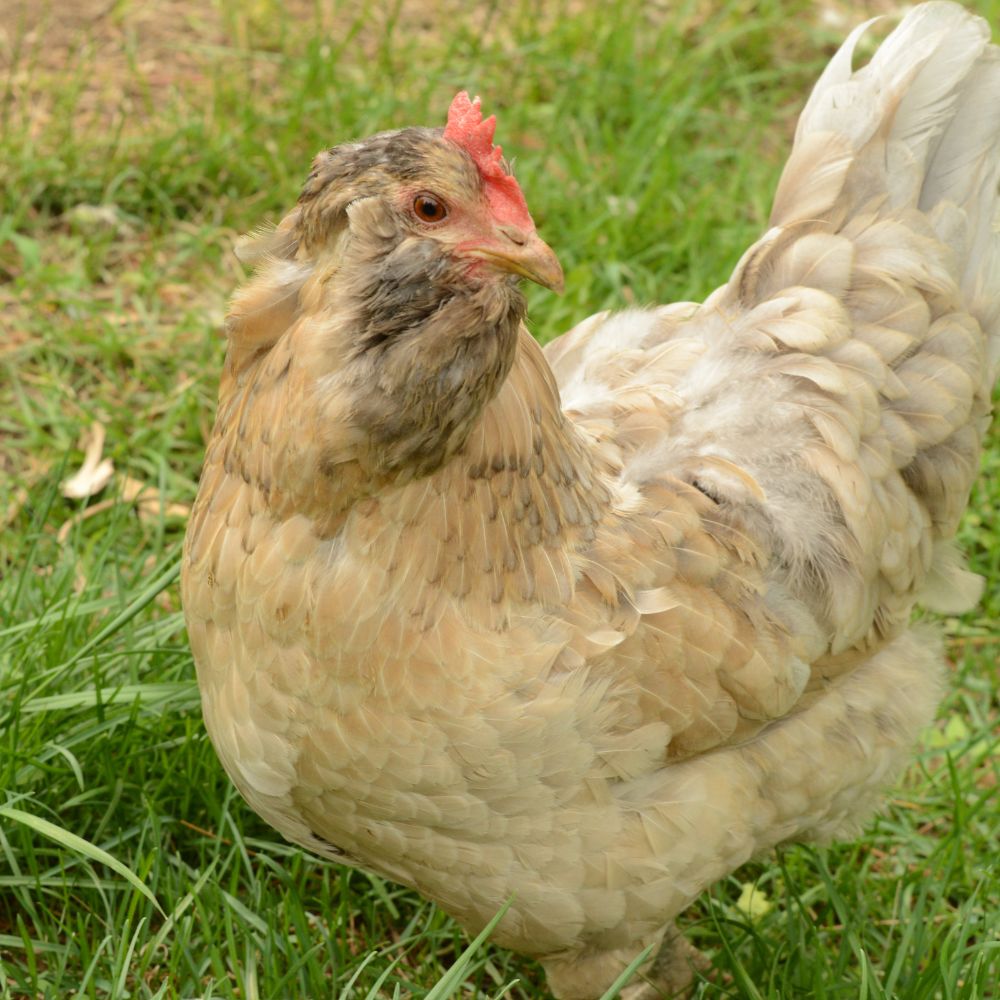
[427, 208]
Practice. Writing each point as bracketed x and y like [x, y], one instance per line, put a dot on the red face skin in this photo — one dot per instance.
[490, 243]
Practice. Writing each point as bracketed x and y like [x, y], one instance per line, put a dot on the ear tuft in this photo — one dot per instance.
[268, 304]
[269, 242]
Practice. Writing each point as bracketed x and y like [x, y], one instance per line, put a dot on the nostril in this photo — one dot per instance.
[517, 236]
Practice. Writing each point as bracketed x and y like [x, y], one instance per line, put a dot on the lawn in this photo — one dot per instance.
[137, 141]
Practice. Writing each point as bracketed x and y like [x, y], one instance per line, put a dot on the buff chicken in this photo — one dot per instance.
[587, 627]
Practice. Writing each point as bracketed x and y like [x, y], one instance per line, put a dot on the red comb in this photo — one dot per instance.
[467, 128]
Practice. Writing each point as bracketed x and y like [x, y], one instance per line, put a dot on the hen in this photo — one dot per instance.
[589, 627]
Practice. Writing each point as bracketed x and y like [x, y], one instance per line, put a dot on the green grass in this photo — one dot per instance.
[648, 144]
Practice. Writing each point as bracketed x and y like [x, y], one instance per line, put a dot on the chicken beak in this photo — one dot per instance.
[525, 254]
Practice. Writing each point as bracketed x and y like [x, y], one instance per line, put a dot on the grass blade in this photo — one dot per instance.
[452, 979]
[627, 973]
[72, 842]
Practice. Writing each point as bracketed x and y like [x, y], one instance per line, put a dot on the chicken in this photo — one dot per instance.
[589, 627]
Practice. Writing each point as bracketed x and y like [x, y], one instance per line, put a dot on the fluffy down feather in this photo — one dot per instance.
[643, 613]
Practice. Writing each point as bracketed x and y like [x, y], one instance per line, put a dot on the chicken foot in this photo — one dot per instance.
[669, 974]
[672, 974]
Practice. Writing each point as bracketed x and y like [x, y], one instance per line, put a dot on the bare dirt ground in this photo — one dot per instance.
[147, 52]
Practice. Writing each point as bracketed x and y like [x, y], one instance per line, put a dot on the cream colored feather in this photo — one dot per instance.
[653, 617]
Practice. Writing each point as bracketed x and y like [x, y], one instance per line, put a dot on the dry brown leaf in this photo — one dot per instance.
[96, 472]
[82, 515]
[149, 500]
